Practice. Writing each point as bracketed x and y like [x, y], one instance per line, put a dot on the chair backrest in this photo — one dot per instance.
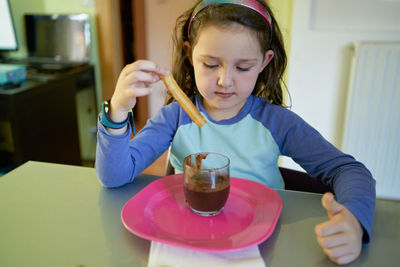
[168, 167]
[301, 181]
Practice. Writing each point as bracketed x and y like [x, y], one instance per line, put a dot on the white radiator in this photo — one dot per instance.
[372, 123]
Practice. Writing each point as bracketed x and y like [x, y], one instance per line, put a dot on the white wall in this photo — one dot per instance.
[320, 64]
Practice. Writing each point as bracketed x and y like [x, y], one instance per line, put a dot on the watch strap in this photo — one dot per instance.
[108, 122]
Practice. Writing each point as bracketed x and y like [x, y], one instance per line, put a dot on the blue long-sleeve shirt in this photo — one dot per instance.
[253, 140]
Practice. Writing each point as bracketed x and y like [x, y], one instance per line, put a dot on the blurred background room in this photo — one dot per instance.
[64, 58]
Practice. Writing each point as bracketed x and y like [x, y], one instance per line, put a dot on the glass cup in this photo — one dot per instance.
[206, 182]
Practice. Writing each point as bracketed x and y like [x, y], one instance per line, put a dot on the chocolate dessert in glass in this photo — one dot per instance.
[206, 182]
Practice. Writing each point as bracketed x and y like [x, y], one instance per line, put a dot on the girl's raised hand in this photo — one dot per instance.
[134, 81]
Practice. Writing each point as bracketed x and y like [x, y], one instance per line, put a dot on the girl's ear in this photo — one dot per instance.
[267, 58]
[188, 50]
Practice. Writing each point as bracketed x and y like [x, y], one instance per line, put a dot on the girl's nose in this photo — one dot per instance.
[225, 79]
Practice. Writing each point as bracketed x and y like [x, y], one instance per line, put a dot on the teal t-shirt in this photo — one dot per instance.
[249, 145]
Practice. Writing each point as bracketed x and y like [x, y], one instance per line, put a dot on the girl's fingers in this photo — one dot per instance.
[138, 92]
[145, 66]
[329, 228]
[341, 254]
[330, 204]
[347, 258]
[141, 77]
[135, 81]
[333, 240]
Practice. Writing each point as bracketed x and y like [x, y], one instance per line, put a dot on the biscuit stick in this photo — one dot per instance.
[183, 100]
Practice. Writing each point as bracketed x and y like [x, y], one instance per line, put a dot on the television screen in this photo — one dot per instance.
[61, 38]
[8, 39]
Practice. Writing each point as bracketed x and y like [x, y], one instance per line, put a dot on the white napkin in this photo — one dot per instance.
[163, 255]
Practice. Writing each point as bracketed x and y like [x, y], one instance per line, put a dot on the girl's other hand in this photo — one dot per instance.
[134, 81]
[341, 236]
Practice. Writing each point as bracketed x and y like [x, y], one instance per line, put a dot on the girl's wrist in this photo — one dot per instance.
[118, 117]
[117, 131]
[116, 114]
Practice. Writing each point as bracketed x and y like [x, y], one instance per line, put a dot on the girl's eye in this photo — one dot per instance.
[243, 69]
[210, 66]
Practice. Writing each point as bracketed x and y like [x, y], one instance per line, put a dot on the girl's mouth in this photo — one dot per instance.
[224, 95]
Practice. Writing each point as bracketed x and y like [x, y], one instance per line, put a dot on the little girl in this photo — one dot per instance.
[229, 59]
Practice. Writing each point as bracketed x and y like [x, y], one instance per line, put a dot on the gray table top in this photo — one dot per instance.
[60, 215]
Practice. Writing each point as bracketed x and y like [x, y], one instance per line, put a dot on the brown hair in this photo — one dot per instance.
[270, 80]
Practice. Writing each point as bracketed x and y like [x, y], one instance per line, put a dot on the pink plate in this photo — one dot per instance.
[159, 213]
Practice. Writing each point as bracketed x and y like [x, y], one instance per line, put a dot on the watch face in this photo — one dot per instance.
[106, 107]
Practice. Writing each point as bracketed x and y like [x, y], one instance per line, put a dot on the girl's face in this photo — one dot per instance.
[227, 62]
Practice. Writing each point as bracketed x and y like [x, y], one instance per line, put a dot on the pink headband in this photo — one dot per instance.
[252, 4]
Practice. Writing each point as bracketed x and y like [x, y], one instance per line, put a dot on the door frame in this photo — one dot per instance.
[110, 44]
